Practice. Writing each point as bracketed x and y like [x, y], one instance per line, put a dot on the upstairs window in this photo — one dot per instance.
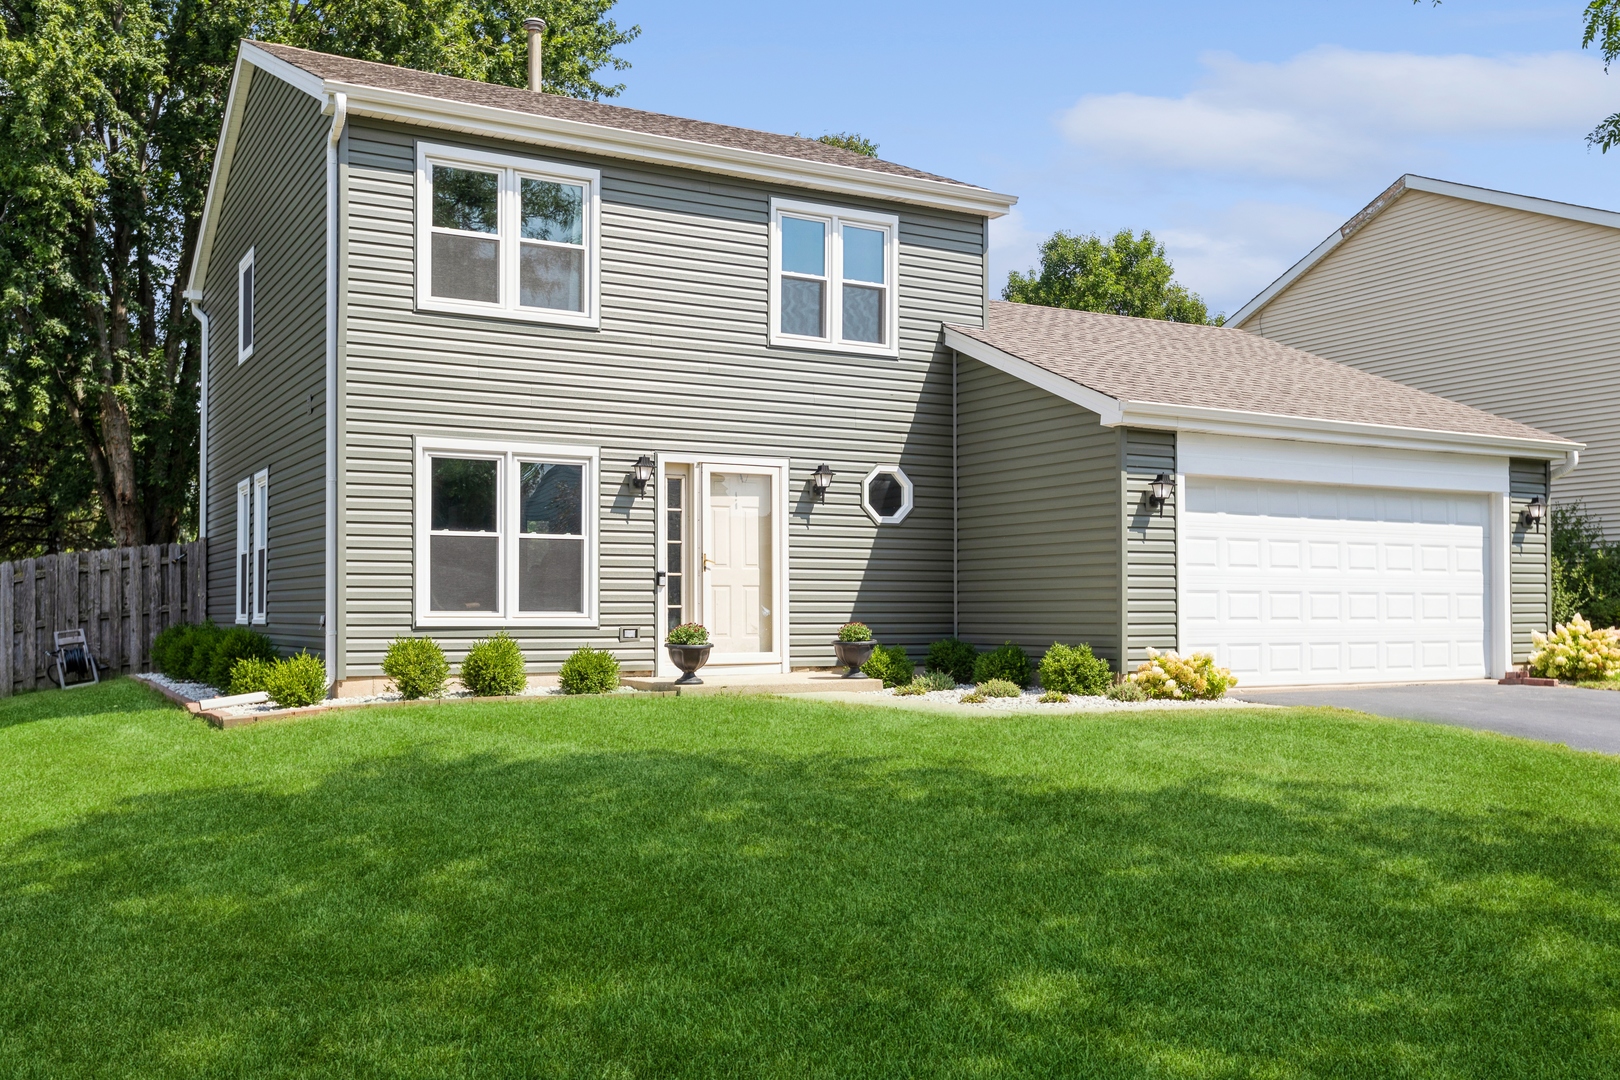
[244, 307]
[833, 278]
[506, 236]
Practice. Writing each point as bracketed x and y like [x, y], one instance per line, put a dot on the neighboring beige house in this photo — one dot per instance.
[1503, 302]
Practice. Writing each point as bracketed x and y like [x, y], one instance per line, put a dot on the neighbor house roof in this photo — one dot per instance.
[1388, 197]
[1148, 372]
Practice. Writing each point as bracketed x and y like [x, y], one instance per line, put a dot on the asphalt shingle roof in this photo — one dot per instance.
[1149, 361]
[520, 99]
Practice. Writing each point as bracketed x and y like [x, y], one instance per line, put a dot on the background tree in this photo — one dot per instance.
[109, 110]
[849, 140]
[1127, 275]
[1603, 27]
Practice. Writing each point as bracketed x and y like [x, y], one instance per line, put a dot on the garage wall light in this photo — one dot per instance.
[1159, 491]
[1534, 513]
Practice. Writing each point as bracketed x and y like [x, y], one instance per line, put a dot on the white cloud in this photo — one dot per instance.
[1229, 256]
[1332, 111]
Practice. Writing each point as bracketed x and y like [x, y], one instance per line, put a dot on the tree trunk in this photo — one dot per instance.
[118, 445]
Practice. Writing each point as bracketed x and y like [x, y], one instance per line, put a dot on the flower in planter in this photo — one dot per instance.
[690, 633]
[854, 631]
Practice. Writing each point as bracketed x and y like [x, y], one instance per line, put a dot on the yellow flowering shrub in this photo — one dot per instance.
[1576, 651]
[1169, 675]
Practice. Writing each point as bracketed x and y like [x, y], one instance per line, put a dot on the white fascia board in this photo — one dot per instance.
[423, 111]
[1291, 275]
[1527, 203]
[1309, 429]
[248, 59]
[1108, 408]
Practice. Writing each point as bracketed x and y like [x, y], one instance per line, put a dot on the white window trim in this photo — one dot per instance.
[259, 592]
[242, 322]
[835, 218]
[906, 487]
[509, 454]
[244, 546]
[511, 167]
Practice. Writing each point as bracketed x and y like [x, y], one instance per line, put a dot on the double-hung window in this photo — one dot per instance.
[252, 547]
[506, 534]
[506, 236]
[833, 278]
[244, 307]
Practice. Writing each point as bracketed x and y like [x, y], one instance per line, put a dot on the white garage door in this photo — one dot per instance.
[1303, 583]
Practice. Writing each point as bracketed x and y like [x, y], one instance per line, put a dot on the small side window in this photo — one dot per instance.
[244, 307]
[887, 495]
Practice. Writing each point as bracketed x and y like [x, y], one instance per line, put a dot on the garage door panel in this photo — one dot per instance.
[1311, 583]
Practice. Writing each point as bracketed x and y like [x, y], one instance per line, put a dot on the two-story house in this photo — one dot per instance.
[483, 358]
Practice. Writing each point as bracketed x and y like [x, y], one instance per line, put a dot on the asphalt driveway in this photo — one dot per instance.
[1582, 719]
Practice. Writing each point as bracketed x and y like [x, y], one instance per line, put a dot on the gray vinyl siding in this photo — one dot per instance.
[1149, 570]
[269, 412]
[1529, 558]
[1510, 311]
[1038, 536]
[680, 365]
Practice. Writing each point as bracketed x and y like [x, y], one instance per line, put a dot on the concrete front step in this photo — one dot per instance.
[778, 682]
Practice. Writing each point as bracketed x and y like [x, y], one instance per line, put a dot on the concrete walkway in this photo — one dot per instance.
[1582, 719]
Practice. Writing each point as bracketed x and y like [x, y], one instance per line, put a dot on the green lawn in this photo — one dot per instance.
[634, 887]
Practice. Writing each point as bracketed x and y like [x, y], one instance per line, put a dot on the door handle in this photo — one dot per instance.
[707, 562]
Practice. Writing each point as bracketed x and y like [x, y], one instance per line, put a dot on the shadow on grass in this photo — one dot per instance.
[656, 914]
[112, 695]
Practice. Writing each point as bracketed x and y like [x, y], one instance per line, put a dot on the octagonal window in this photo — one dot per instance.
[886, 495]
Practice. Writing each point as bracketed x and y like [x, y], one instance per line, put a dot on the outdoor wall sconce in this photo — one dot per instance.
[823, 477]
[1159, 491]
[641, 472]
[1534, 513]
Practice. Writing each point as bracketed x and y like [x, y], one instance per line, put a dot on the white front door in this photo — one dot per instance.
[740, 564]
[1316, 583]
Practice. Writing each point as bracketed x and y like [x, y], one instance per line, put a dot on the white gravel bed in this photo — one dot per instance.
[372, 699]
[191, 691]
[1030, 700]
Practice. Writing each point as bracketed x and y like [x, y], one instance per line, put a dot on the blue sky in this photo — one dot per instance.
[1241, 134]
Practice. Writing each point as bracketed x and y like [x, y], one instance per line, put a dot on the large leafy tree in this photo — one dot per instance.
[109, 111]
[1603, 29]
[1127, 275]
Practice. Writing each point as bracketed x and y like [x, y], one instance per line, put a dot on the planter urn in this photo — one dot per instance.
[852, 654]
[689, 658]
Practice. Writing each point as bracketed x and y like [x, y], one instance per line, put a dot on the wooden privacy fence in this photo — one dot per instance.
[121, 597]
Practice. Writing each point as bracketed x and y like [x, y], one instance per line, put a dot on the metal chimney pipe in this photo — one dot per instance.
[536, 29]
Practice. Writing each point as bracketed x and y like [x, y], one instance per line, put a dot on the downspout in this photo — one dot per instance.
[956, 499]
[202, 419]
[339, 107]
[1571, 459]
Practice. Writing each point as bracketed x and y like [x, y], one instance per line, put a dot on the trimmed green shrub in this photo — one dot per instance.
[1127, 691]
[1054, 697]
[935, 680]
[953, 656]
[1074, 669]
[236, 643]
[250, 674]
[417, 667]
[298, 680]
[184, 650]
[999, 688]
[494, 667]
[854, 631]
[1004, 662]
[688, 633]
[589, 671]
[892, 664]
